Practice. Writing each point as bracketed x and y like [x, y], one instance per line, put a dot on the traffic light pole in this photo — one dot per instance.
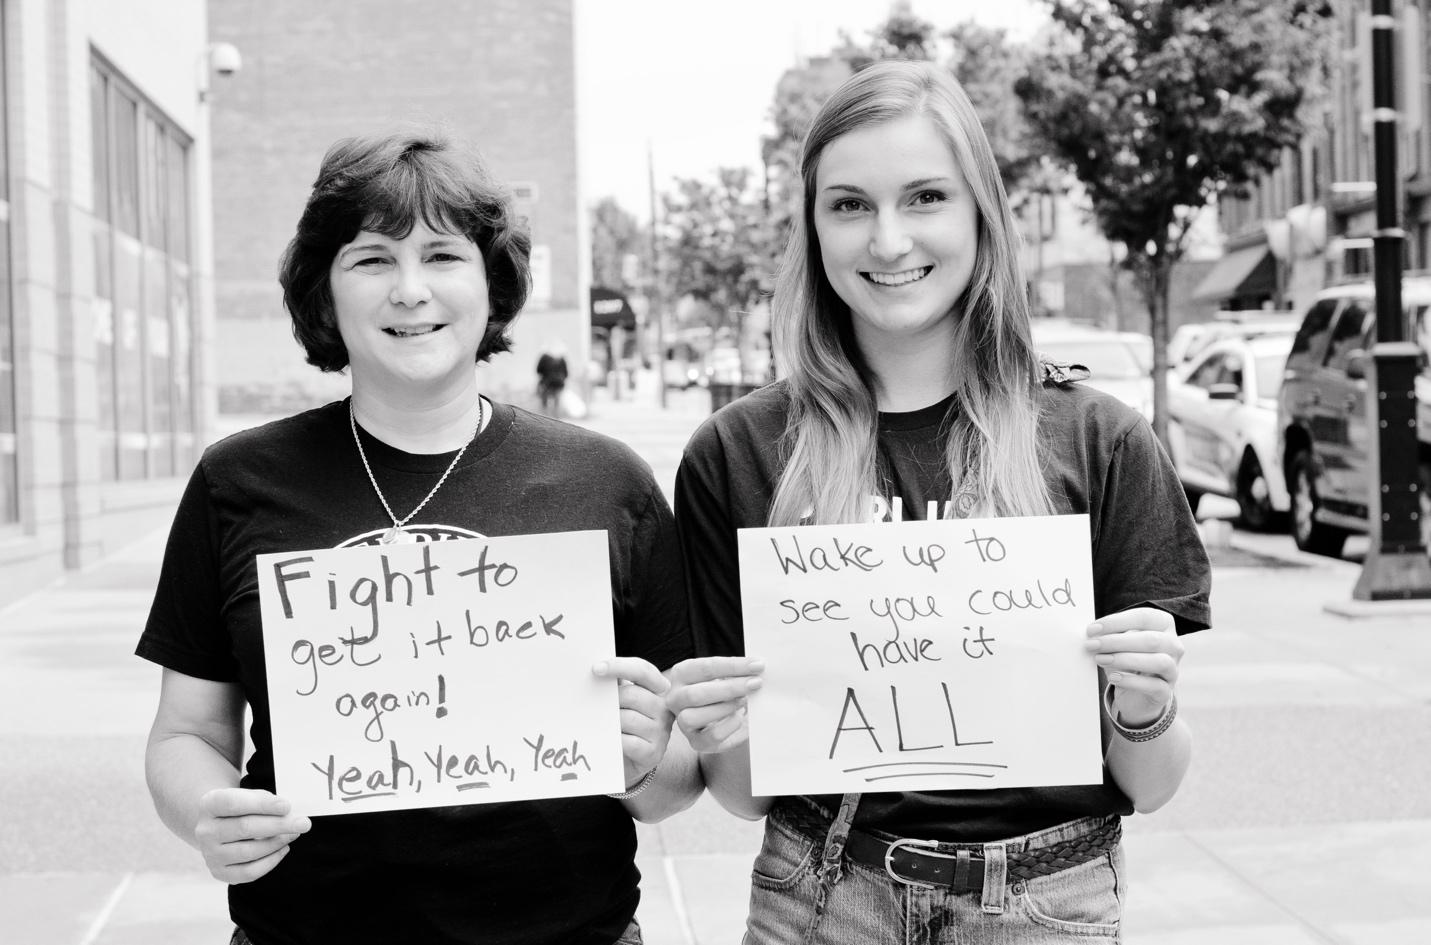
[1396, 566]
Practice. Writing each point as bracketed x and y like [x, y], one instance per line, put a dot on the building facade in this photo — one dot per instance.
[1309, 222]
[105, 276]
[1075, 273]
[499, 74]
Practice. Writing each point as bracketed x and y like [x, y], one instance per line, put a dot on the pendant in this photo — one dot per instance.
[396, 536]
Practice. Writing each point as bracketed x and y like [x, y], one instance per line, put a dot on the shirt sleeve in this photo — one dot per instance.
[708, 543]
[185, 629]
[654, 625]
[1147, 551]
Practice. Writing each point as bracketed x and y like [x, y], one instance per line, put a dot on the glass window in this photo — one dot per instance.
[102, 317]
[1231, 371]
[9, 465]
[1350, 334]
[1268, 368]
[142, 310]
[124, 166]
[99, 135]
[1207, 373]
[1312, 334]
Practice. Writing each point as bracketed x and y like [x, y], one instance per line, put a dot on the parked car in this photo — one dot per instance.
[1325, 440]
[1119, 362]
[1222, 426]
[1191, 339]
[680, 367]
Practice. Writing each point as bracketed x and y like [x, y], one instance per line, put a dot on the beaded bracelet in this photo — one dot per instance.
[1148, 732]
[640, 786]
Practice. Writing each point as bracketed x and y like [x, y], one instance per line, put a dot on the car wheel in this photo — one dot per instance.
[1310, 534]
[1254, 498]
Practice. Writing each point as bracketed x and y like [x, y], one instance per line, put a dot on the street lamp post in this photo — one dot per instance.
[653, 291]
[1396, 566]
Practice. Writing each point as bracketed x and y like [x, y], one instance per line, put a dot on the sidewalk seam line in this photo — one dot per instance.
[107, 910]
[678, 900]
[1282, 907]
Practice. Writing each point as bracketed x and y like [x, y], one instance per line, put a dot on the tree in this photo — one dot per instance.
[989, 66]
[802, 90]
[1159, 106]
[616, 235]
[984, 61]
[902, 36]
[717, 244]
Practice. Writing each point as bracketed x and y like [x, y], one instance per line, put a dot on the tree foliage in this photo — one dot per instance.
[983, 59]
[615, 235]
[989, 66]
[1158, 106]
[717, 246]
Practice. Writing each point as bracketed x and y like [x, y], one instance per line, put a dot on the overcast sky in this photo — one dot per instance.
[696, 79]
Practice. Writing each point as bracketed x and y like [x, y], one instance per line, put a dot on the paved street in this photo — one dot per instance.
[1305, 819]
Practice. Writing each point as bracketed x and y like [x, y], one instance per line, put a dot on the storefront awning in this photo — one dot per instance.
[1242, 272]
[609, 309]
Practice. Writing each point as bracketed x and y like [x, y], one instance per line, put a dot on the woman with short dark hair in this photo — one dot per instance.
[406, 271]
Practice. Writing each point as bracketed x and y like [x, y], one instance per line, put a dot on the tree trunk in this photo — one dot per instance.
[1160, 281]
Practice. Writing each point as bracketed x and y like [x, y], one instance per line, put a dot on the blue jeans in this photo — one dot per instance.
[632, 936]
[803, 891]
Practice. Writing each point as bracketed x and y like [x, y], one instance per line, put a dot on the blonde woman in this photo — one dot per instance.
[902, 321]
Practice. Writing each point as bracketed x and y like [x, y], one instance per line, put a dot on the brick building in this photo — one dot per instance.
[105, 279]
[497, 73]
[1309, 223]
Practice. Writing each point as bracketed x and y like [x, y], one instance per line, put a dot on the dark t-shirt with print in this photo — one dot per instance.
[527, 872]
[1099, 457]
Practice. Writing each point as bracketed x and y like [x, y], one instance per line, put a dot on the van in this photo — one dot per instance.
[1324, 437]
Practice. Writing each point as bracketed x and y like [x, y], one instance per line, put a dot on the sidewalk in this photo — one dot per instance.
[1305, 818]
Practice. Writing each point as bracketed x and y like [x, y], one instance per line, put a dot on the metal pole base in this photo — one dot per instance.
[1394, 575]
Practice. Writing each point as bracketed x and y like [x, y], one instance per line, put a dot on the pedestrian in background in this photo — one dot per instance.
[407, 269]
[903, 319]
[551, 381]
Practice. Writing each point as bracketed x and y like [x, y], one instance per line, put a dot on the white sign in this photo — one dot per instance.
[441, 673]
[921, 655]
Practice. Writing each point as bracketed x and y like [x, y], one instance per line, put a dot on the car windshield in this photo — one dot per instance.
[1105, 359]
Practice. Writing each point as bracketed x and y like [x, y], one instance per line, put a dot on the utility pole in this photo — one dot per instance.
[653, 293]
[1396, 566]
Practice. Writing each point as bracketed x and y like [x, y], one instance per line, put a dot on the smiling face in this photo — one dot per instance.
[411, 311]
[898, 229]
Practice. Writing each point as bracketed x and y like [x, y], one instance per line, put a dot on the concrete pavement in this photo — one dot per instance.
[1305, 818]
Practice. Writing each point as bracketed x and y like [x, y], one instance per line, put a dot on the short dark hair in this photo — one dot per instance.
[386, 184]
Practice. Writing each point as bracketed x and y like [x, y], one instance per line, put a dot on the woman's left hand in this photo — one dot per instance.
[1139, 651]
[645, 721]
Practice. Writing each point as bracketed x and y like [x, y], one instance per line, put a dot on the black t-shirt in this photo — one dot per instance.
[1099, 457]
[527, 872]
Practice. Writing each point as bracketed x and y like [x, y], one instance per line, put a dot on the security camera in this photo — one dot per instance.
[224, 58]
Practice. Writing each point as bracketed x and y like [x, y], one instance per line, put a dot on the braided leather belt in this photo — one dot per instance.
[957, 866]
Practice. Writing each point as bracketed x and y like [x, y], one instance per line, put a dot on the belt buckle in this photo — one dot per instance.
[926, 847]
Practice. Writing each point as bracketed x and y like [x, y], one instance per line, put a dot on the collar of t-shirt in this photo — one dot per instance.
[919, 419]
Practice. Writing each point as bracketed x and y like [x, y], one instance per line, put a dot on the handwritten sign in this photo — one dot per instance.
[441, 673]
[921, 655]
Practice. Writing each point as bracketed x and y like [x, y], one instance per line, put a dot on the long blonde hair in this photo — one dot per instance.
[829, 442]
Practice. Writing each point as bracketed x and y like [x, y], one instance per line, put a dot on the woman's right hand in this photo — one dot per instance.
[243, 833]
[708, 699]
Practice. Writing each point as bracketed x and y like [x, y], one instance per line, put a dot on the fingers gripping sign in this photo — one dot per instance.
[708, 698]
[243, 834]
[1140, 652]
[645, 720]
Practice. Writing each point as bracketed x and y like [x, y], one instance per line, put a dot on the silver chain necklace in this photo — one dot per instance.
[395, 534]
